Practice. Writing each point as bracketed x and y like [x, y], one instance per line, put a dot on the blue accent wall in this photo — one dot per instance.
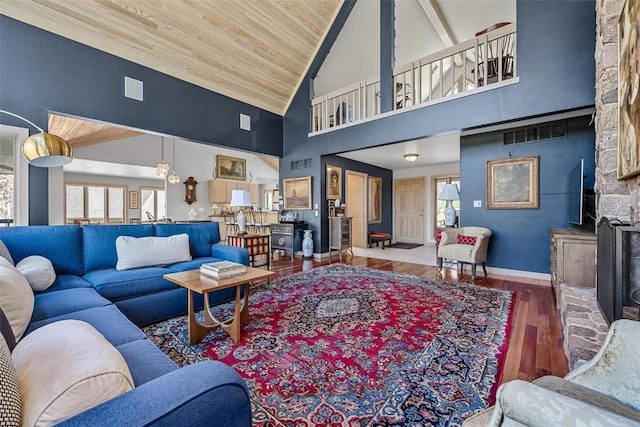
[521, 237]
[42, 72]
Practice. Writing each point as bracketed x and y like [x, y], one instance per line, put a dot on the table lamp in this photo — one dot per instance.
[449, 193]
[240, 199]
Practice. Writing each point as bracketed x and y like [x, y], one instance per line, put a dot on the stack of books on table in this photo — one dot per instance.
[222, 269]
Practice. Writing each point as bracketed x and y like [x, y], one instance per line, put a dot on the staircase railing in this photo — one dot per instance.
[451, 71]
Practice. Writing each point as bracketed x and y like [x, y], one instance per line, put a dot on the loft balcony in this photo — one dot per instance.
[485, 62]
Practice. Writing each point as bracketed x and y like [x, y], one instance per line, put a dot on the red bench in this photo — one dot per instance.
[378, 237]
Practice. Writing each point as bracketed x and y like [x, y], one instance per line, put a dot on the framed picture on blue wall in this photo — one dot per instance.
[513, 183]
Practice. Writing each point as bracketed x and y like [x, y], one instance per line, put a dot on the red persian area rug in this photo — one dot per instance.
[347, 346]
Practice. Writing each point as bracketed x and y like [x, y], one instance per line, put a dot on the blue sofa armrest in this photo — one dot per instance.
[200, 394]
[230, 253]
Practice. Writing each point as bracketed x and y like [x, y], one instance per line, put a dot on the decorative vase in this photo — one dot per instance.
[193, 214]
[307, 244]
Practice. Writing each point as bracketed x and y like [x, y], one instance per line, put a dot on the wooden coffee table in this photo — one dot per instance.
[193, 281]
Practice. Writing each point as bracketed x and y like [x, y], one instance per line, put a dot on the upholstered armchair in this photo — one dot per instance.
[465, 244]
[604, 391]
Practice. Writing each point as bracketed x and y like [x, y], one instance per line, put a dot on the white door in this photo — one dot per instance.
[356, 203]
[408, 201]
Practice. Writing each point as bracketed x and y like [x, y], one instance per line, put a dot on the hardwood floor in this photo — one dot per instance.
[536, 342]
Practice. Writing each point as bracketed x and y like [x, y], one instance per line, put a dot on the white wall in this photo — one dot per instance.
[428, 172]
[355, 55]
[415, 36]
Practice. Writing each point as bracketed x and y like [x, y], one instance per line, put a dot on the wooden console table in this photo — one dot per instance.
[573, 258]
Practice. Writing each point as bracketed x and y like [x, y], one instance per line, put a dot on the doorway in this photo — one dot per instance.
[356, 199]
[408, 203]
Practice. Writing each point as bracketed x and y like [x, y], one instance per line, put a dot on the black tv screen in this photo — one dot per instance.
[576, 193]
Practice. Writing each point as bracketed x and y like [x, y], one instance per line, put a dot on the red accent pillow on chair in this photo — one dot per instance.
[466, 240]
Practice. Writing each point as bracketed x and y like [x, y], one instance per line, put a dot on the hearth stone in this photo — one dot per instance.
[583, 326]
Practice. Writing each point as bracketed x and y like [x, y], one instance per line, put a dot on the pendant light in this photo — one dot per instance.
[162, 169]
[173, 178]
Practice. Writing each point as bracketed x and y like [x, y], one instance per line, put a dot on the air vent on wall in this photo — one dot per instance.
[301, 164]
[536, 133]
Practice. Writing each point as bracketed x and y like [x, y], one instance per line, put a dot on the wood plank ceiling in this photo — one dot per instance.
[256, 51]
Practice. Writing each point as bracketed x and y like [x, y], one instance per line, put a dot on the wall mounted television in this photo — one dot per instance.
[581, 199]
[576, 193]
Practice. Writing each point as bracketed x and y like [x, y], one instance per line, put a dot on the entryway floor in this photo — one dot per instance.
[425, 254]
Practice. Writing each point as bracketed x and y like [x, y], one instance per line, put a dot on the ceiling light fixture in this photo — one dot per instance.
[411, 157]
[173, 178]
[162, 169]
[43, 149]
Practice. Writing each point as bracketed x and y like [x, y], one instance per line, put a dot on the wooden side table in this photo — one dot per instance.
[258, 245]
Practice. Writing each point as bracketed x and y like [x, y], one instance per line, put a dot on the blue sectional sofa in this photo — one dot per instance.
[89, 288]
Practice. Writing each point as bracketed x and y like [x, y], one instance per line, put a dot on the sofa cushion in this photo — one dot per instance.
[38, 271]
[11, 401]
[108, 320]
[201, 235]
[66, 281]
[99, 243]
[16, 298]
[136, 252]
[80, 367]
[61, 244]
[113, 284]
[4, 253]
[194, 264]
[146, 362]
[53, 304]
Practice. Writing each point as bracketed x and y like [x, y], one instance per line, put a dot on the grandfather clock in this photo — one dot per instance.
[190, 190]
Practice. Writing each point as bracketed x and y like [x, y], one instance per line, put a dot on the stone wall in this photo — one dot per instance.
[614, 198]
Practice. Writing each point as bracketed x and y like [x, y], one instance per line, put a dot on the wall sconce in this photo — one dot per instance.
[411, 157]
[43, 149]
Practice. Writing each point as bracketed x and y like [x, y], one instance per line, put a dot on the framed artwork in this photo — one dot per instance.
[133, 200]
[374, 208]
[629, 90]
[231, 168]
[513, 183]
[297, 193]
[334, 182]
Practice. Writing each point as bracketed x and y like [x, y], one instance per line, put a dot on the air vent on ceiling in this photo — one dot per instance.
[536, 133]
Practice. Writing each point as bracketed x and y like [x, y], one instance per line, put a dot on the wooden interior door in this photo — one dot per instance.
[408, 205]
[356, 196]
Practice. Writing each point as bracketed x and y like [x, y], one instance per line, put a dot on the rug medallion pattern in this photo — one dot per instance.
[347, 346]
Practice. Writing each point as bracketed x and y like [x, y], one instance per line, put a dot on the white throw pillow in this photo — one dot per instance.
[16, 298]
[135, 252]
[65, 368]
[38, 271]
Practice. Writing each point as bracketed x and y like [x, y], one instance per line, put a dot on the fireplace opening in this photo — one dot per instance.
[618, 269]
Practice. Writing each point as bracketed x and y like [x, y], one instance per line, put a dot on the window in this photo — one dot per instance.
[98, 203]
[7, 176]
[153, 205]
[440, 205]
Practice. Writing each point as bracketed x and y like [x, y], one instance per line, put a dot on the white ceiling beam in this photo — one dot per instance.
[434, 16]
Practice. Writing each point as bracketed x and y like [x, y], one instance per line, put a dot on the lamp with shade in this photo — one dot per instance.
[449, 193]
[43, 149]
[411, 157]
[240, 199]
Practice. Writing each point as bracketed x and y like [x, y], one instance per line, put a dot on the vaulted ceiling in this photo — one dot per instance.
[255, 51]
